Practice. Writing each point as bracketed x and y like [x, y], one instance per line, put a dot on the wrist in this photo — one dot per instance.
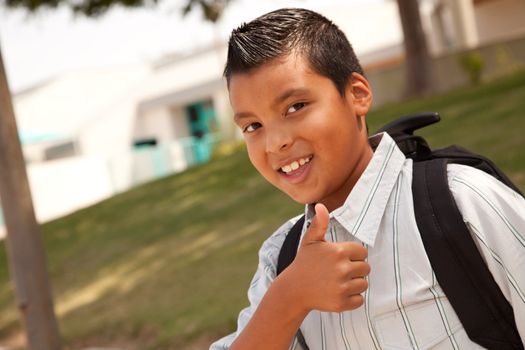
[289, 292]
[277, 317]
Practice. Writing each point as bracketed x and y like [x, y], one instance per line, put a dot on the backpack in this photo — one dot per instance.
[485, 314]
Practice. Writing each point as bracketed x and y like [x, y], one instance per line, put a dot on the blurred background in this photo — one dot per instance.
[151, 213]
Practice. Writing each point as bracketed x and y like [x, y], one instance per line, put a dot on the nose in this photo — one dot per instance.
[278, 139]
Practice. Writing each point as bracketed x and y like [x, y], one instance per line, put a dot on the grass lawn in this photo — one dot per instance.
[167, 265]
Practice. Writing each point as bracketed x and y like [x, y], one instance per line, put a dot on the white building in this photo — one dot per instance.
[461, 24]
[87, 135]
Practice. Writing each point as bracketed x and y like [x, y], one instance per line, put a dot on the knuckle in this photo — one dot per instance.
[343, 269]
[346, 288]
[340, 250]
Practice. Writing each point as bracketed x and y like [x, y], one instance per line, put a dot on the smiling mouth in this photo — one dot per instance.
[289, 169]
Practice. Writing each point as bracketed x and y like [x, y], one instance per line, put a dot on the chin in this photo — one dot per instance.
[302, 198]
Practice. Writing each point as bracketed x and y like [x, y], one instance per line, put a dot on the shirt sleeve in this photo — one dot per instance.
[263, 278]
[495, 216]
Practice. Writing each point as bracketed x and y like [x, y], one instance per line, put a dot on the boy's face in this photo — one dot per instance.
[301, 134]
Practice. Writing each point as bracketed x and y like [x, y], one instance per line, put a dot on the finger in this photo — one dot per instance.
[356, 286]
[355, 251]
[353, 302]
[317, 230]
[359, 269]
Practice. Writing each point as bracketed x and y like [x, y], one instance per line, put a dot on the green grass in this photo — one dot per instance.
[488, 119]
[162, 264]
[167, 264]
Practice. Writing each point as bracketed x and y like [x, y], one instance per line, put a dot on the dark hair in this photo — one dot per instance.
[286, 31]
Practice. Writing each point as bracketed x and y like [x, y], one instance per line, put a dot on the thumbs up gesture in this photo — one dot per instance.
[327, 276]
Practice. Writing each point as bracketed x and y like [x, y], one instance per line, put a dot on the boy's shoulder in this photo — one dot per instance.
[460, 172]
[480, 197]
[465, 180]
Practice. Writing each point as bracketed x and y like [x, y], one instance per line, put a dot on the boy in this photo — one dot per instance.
[300, 98]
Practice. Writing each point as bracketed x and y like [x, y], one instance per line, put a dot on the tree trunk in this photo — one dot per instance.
[27, 261]
[418, 64]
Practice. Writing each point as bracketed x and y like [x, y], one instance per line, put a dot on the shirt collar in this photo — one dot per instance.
[364, 207]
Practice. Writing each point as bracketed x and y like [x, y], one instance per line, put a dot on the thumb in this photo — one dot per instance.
[317, 229]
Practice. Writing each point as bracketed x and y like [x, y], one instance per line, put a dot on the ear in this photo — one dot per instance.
[359, 94]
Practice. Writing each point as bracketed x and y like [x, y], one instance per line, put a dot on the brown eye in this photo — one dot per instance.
[252, 127]
[296, 107]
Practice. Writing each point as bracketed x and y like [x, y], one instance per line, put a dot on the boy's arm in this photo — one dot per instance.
[324, 276]
[274, 323]
[260, 283]
[495, 216]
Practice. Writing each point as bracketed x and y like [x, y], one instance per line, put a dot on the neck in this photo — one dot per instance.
[361, 164]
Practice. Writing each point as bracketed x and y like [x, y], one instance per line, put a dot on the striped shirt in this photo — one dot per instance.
[405, 308]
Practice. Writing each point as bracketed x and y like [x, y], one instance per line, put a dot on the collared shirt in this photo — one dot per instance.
[404, 308]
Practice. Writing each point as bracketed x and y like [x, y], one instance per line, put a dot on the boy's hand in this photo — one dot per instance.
[328, 276]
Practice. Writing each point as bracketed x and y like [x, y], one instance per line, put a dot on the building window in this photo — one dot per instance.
[61, 150]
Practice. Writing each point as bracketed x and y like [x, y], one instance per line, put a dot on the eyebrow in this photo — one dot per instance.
[241, 115]
[279, 99]
[290, 93]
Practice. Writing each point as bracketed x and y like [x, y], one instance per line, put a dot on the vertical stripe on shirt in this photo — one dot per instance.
[397, 270]
[355, 338]
[367, 311]
[333, 233]
[343, 331]
[442, 313]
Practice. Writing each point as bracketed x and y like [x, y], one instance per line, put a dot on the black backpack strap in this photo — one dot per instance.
[290, 246]
[460, 270]
[287, 255]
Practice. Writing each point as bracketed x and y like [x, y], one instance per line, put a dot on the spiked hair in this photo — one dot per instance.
[283, 32]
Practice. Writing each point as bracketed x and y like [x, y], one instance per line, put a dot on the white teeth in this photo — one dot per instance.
[295, 165]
